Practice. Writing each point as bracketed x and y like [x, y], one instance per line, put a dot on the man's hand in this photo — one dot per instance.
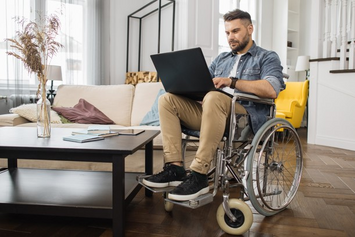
[220, 82]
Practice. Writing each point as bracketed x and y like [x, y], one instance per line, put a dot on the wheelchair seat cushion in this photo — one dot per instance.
[190, 132]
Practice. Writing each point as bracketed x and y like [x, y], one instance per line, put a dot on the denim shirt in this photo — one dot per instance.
[256, 64]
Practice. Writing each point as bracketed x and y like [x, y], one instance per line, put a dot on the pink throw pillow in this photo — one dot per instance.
[83, 112]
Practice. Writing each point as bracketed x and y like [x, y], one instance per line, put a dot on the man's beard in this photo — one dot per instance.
[241, 45]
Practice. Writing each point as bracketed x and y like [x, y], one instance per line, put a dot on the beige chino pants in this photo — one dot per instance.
[209, 118]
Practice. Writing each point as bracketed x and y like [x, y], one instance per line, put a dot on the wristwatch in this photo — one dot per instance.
[234, 81]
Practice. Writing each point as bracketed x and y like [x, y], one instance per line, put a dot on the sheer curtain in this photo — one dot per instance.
[80, 34]
[14, 79]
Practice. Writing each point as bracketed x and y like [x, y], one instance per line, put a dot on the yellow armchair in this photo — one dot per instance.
[291, 102]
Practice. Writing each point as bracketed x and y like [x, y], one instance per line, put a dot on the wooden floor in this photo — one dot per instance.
[324, 206]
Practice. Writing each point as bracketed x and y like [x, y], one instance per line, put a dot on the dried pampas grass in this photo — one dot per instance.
[35, 45]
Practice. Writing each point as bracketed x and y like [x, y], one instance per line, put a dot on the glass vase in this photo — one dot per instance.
[43, 115]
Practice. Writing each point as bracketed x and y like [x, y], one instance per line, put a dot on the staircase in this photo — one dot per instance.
[332, 74]
[339, 32]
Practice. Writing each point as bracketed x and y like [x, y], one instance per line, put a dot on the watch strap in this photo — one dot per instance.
[234, 81]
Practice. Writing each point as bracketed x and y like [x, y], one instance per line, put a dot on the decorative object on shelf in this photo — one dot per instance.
[303, 65]
[138, 77]
[34, 44]
[54, 73]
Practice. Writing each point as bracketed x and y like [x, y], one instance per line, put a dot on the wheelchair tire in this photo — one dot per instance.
[244, 217]
[275, 167]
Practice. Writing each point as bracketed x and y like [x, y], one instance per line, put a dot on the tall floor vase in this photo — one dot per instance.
[43, 115]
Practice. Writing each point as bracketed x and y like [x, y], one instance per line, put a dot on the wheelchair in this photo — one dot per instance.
[266, 167]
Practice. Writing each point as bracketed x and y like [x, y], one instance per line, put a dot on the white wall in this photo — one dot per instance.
[115, 64]
[265, 31]
[331, 107]
[116, 37]
[305, 29]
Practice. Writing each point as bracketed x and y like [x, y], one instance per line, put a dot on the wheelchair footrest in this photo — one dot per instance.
[194, 203]
[154, 190]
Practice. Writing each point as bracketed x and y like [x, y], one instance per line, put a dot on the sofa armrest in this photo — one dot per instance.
[11, 120]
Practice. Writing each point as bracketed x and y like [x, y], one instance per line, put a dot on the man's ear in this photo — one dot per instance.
[250, 29]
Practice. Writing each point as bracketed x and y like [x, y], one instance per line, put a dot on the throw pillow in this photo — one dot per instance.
[83, 112]
[152, 117]
[64, 119]
[29, 112]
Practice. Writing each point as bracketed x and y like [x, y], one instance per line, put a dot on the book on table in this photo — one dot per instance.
[98, 130]
[132, 132]
[99, 127]
[81, 138]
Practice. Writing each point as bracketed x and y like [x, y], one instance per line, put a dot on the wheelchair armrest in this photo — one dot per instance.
[253, 98]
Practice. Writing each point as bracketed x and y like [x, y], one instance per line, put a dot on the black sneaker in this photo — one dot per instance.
[192, 187]
[172, 175]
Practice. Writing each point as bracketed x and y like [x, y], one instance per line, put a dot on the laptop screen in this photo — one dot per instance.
[184, 72]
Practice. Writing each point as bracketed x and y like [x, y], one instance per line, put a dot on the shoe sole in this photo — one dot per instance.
[161, 185]
[177, 197]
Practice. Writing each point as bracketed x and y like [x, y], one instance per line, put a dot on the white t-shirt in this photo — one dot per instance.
[232, 73]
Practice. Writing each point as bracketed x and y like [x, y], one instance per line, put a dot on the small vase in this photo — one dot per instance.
[43, 115]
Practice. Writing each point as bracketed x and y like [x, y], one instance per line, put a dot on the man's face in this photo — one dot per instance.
[238, 35]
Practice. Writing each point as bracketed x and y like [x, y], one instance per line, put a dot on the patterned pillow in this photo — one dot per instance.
[29, 112]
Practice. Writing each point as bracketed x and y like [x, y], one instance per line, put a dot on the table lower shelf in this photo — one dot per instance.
[61, 192]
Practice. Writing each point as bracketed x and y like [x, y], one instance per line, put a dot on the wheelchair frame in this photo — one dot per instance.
[267, 168]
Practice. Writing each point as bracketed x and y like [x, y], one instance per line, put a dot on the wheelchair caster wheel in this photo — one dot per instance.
[243, 214]
[168, 206]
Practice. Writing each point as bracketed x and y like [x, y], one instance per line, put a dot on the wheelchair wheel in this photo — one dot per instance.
[275, 167]
[243, 214]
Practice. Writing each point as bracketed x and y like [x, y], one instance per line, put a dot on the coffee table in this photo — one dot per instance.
[97, 194]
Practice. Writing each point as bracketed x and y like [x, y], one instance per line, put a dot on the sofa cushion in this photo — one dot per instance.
[83, 112]
[12, 120]
[144, 97]
[29, 112]
[115, 101]
[152, 117]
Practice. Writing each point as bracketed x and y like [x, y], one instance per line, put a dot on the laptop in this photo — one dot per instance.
[185, 72]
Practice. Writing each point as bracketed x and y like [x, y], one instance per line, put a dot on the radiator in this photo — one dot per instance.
[8, 102]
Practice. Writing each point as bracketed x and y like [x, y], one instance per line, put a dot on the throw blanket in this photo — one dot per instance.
[83, 112]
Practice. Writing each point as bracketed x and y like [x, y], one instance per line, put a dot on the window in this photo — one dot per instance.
[78, 33]
[11, 68]
[71, 58]
[228, 5]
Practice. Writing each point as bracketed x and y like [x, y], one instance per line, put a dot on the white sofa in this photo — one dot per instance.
[125, 104]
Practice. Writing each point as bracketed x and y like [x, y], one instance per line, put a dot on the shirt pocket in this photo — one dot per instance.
[252, 73]
[218, 72]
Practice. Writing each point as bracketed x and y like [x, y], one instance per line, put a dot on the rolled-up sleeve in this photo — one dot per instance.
[272, 71]
[275, 83]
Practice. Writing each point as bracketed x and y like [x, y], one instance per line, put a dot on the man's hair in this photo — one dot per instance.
[237, 14]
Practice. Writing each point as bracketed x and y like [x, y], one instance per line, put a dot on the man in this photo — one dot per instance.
[247, 68]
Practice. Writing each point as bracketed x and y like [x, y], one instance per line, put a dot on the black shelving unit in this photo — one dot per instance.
[133, 16]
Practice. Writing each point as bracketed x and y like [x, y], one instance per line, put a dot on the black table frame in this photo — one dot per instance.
[69, 151]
